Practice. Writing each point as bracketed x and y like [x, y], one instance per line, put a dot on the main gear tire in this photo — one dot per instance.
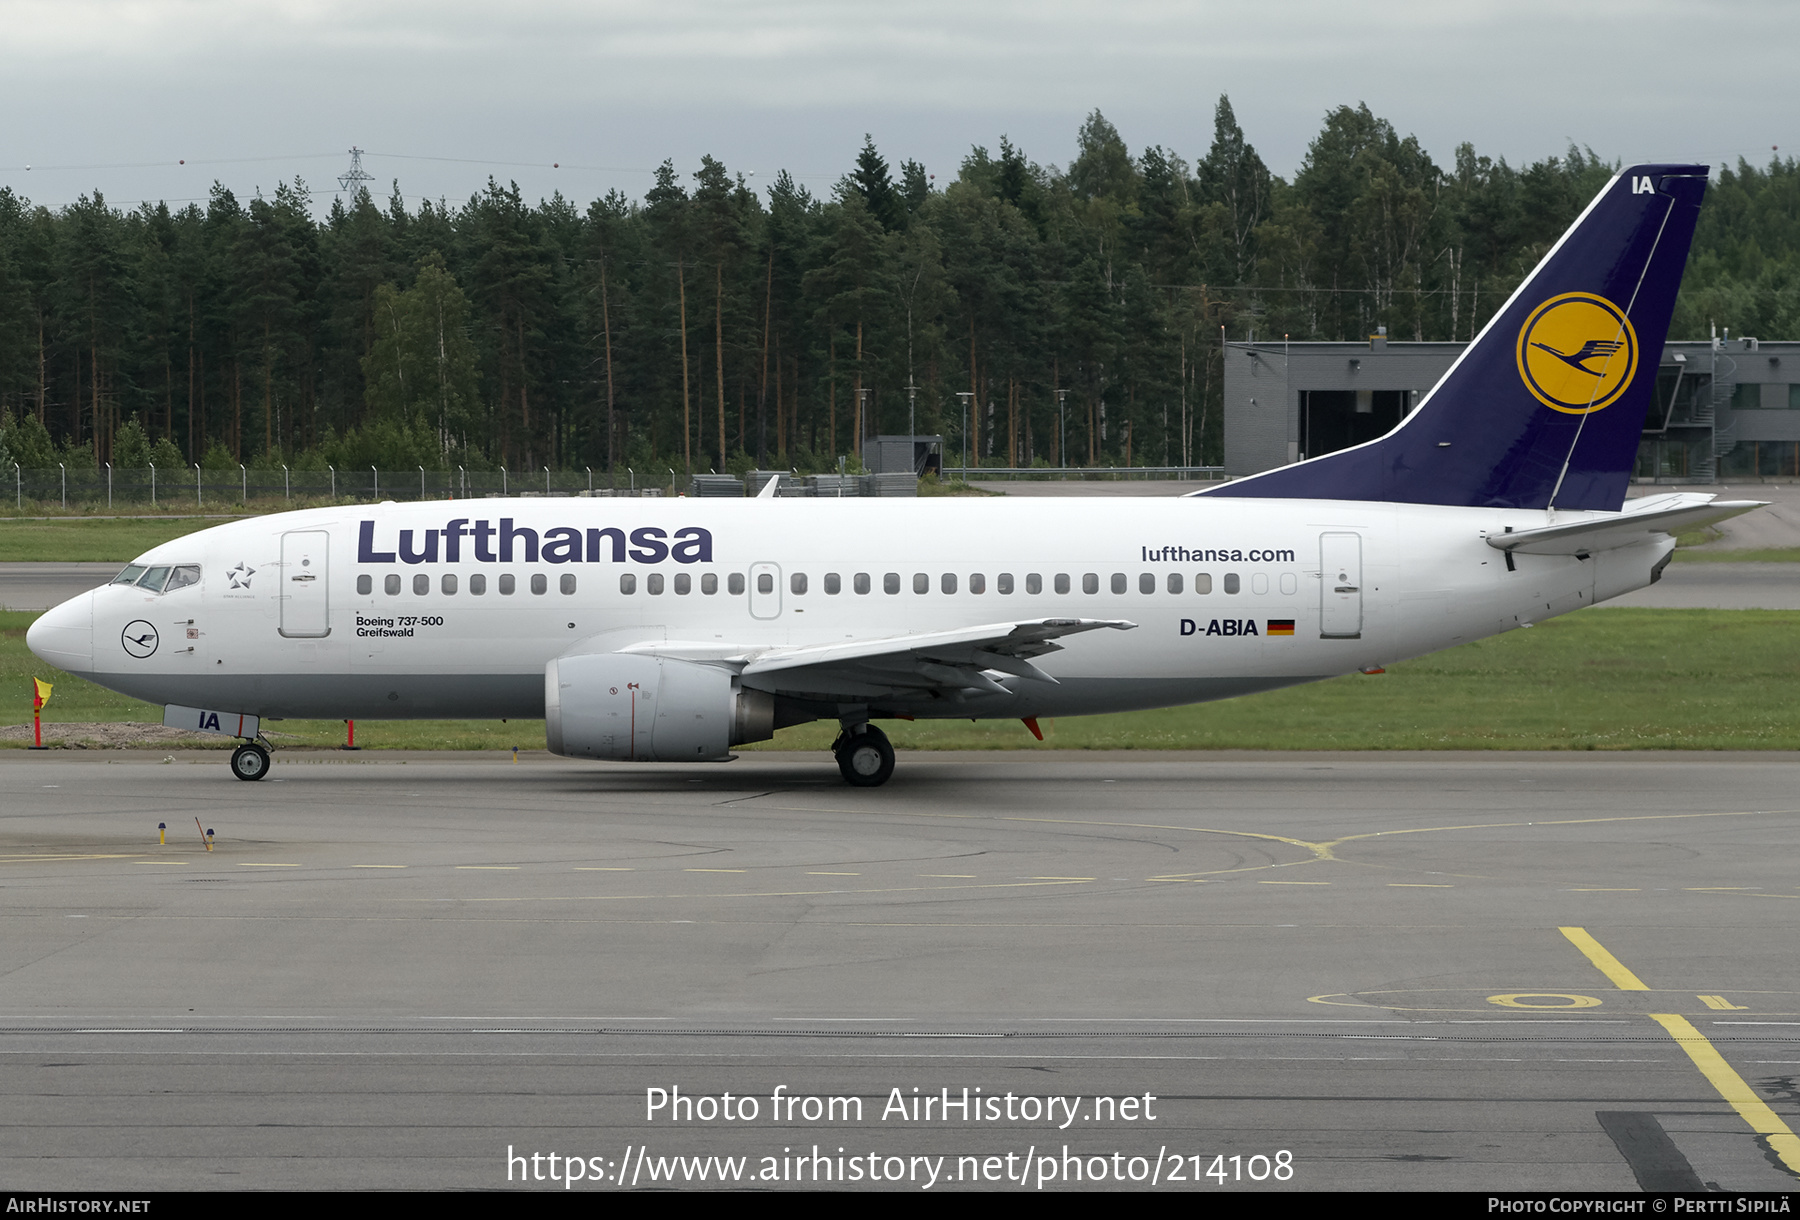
[865, 757]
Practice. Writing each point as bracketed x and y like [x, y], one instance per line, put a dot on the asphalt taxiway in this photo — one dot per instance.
[1406, 971]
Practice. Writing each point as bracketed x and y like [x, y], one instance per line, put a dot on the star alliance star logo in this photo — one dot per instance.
[240, 575]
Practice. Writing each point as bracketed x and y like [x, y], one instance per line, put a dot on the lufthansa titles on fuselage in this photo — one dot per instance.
[510, 543]
[1182, 554]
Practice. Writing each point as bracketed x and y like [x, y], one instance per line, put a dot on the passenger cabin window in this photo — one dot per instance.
[538, 583]
[653, 584]
[890, 583]
[507, 584]
[1231, 582]
[735, 583]
[709, 584]
[977, 583]
[684, 584]
[947, 582]
[627, 583]
[1147, 583]
[1034, 583]
[921, 582]
[1174, 582]
[391, 585]
[1118, 582]
[1259, 583]
[834, 584]
[765, 582]
[567, 583]
[477, 585]
[862, 582]
[1090, 582]
[1062, 582]
[448, 584]
[797, 582]
[1203, 583]
[365, 584]
[421, 585]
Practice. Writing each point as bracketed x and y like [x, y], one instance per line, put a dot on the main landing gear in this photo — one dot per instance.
[250, 761]
[864, 755]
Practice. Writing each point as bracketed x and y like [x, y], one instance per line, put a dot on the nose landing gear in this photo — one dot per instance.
[864, 756]
[250, 761]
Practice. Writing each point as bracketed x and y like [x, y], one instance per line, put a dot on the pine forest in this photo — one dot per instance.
[1072, 316]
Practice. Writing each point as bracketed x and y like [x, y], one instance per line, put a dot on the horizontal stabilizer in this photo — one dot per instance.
[1652, 517]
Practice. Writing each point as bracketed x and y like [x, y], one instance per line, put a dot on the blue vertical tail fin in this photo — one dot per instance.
[1544, 409]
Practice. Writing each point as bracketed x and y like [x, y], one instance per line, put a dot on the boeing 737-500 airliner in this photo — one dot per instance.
[673, 630]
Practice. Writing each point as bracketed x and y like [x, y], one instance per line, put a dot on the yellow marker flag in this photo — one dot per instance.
[40, 694]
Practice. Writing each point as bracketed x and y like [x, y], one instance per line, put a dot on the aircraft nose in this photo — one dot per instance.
[64, 636]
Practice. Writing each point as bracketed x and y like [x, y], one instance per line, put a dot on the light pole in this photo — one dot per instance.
[965, 395]
[109, 485]
[287, 487]
[65, 483]
[1062, 453]
[862, 418]
[199, 496]
[152, 484]
[912, 422]
[243, 485]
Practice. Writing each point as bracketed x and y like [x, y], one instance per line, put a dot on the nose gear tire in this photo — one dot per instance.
[250, 762]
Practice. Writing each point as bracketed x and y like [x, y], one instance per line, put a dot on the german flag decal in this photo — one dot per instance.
[1280, 626]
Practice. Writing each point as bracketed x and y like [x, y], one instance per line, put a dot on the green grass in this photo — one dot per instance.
[1600, 679]
[1779, 554]
[96, 540]
[103, 539]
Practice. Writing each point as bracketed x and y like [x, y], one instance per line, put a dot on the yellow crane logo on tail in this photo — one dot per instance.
[1577, 353]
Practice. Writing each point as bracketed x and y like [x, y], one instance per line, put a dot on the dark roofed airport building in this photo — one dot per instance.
[1725, 408]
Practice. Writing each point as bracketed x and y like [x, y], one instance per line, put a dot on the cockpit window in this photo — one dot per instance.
[159, 578]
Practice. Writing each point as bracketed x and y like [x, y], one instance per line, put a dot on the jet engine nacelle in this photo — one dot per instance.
[632, 708]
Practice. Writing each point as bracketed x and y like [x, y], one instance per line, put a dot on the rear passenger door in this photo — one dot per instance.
[1340, 586]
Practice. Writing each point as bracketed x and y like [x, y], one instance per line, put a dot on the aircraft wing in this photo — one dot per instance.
[940, 661]
[1650, 517]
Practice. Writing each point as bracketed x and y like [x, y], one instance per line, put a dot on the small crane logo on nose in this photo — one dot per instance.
[139, 638]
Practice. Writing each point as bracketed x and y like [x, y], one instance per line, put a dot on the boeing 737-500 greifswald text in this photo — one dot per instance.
[673, 630]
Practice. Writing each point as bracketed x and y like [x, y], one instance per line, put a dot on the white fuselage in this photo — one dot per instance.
[317, 614]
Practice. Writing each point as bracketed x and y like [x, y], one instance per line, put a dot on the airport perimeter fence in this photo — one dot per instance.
[1087, 473]
[196, 488]
[793, 486]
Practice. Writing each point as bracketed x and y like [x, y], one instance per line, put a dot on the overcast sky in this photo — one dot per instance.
[110, 94]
